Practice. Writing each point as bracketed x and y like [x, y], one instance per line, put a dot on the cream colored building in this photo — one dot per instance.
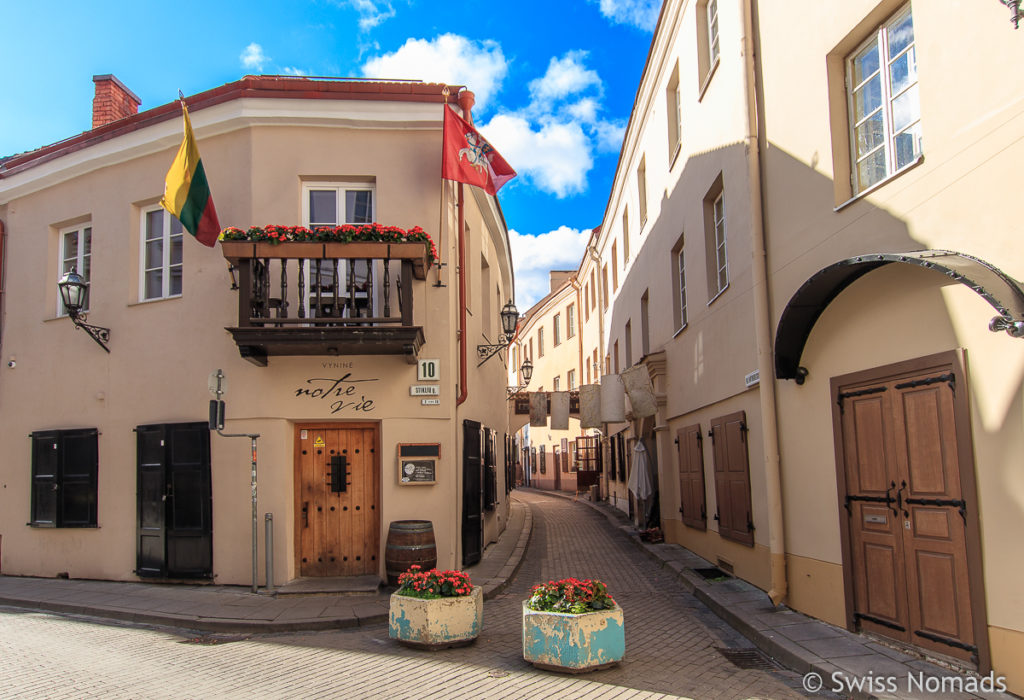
[812, 244]
[110, 470]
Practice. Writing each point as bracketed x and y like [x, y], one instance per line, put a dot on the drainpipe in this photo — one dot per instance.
[575, 282]
[762, 315]
[466, 102]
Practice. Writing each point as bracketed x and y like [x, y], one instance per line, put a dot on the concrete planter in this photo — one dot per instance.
[573, 643]
[437, 623]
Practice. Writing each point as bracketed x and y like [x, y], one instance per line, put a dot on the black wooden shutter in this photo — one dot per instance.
[622, 457]
[732, 478]
[79, 465]
[613, 461]
[472, 494]
[151, 493]
[45, 484]
[189, 529]
[692, 505]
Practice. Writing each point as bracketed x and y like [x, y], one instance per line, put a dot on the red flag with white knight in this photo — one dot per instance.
[468, 157]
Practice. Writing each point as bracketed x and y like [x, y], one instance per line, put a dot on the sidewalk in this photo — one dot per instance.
[235, 609]
[801, 643]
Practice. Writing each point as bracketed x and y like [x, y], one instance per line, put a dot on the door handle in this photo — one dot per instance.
[899, 499]
[305, 514]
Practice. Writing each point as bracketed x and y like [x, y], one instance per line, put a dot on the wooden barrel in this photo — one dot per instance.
[409, 542]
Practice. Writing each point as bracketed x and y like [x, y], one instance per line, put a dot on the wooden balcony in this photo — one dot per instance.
[326, 298]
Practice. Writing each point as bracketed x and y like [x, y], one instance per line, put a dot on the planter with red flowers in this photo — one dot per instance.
[435, 609]
[373, 241]
[572, 626]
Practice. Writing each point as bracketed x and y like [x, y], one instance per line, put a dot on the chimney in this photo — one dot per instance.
[558, 277]
[113, 101]
[466, 101]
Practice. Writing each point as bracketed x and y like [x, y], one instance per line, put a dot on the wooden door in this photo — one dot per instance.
[907, 513]
[472, 493]
[338, 490]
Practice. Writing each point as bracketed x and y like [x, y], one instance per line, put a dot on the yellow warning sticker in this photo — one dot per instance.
[319, 442]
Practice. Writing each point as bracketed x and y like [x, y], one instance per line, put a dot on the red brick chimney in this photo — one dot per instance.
[113, 101]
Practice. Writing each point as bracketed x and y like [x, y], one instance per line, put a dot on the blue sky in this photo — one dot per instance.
[554, 81]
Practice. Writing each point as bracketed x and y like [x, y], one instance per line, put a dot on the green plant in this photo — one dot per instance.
[570, 595]
[418, 583]
[347, 233]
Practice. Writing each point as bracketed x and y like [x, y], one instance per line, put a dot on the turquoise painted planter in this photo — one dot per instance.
[573, 643]
[437, 623]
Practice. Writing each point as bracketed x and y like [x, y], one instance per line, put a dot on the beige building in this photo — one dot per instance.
[811, 243]
[344, 358]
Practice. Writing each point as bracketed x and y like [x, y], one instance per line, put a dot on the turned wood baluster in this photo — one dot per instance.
[352, 310]
[282, 310]
[302, 289]
[370, 311]
[334, 287]
[319, 290]
[387, 287]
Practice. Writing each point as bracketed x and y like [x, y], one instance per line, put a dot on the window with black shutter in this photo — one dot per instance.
[613, 459]
[543, 460]
[64, 478]
[692, 503]
[490, 471]
[622, 457]
[732, 478]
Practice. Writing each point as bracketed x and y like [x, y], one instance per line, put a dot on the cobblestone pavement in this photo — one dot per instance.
[672, 644]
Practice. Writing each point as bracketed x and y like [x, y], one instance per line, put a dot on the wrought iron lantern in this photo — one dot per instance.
[73, 293]
[509, 321]
[526, 372]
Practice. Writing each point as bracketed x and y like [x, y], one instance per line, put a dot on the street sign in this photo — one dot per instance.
[424, 390]
[217, 383]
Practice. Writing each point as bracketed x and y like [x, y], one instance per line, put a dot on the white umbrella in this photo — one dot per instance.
[640, 477]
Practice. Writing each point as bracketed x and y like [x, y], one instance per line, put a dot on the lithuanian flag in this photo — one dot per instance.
[186, 192]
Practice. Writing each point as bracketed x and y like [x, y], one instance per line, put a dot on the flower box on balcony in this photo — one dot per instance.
[291, 251]
[236, 250]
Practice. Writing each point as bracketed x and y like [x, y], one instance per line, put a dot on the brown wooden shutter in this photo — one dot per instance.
[732, 478]
[692, 504]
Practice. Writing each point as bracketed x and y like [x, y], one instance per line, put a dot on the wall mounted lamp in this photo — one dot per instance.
[525, 371]
[509, 321]
[73, 292]
[1015, 13]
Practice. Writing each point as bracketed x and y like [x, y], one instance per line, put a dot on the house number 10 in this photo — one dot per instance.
[428, 371]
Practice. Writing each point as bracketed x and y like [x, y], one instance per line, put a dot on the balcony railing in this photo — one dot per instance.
[306, 298]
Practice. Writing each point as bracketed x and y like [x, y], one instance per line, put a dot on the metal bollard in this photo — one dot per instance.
[268, 519]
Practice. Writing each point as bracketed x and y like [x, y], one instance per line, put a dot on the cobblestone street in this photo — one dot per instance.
[672, 643]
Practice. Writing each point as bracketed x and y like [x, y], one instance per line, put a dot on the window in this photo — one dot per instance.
[161, 255]
[604, 288]
[629, 343]
[732, 478]
[680, 276]
[335, 204]
[593, 291]
[557, 329]
[645, 323]
[64, 483]
[714, 240]
[615, 267]
[625, 236]
[641, 190]
[556, 384]
[707, 42]
[540, 342]
[885, 114]
[690, 453]
[76, 252]
[616, 353]
[570, 321]
[675, 121]
[531, 350]
[570, 379]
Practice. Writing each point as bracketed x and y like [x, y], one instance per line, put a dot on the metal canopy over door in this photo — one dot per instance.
[907, 511]
[472, 494]
[175, 530]
[337, 492]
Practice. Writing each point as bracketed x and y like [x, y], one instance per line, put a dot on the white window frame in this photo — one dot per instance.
[880, 42]
[571, 379]
[342, 216]
[557, 330]
[570, 321]
[681, 272]
[713, 43]
[82, 261]
[556, 383]
[674, 115]
[641, 190]
[721, 257]
[167, 236]
[540, 342]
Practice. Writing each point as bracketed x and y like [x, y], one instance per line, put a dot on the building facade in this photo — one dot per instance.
[811, 245]
[345, 359]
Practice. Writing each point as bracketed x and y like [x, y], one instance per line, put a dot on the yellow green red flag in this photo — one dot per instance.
[187, 193]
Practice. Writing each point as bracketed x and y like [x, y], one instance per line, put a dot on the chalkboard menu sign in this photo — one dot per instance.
[417, 463]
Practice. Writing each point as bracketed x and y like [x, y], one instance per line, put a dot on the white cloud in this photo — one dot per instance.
[253, 57]
[534, 257]
[555, 158]
[609, 136]
[642, 14]
[290, 70]
[371, 13]
[448, 58]
[585, 110]
[565, 76]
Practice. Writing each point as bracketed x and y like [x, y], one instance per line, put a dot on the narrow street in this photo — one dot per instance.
[673, 643]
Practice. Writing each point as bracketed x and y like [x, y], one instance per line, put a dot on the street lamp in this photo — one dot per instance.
[525, 371]
[73, 292]
[509, 321]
